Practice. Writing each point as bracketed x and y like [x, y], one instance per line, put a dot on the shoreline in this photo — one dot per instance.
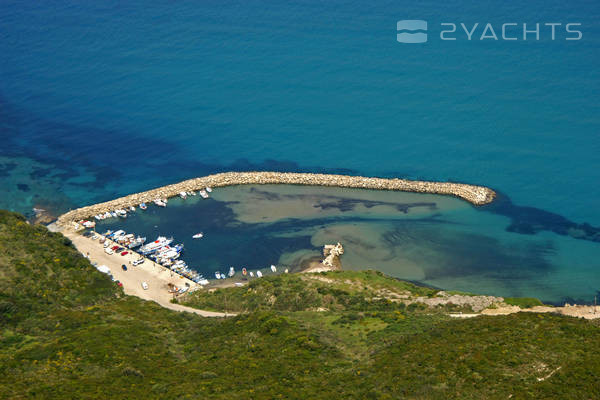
[155, 275]
[159, 278]
[476, 195]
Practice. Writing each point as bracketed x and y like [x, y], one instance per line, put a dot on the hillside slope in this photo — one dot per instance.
[69, 332]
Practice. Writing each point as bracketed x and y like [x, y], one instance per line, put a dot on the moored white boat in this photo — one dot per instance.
[198, 235]
[161, 241]
[143, 206]
[203, 194]
[209, 189]
[137, 242]
[231, 272]
[87, 224]
[273, 268]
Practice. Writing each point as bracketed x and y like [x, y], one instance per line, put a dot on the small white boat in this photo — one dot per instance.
[87, 224]
[160, 203]
[143, 206]
[118, 233]
[132, 208]
[183, 195]
[192, 193]
[198, 235]
[273, 268]
[231, 272]
[209, 189]
[218, 275]
[251, 273]
[259, 274]
[203, 194]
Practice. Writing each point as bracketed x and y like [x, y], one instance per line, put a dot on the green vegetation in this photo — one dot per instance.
[66, 331]
[523, 302]
[335, 291]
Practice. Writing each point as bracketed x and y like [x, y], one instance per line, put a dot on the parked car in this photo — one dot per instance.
[124, 253]
[144, 286]
[139, 261]
[124, 267]
[109, 251]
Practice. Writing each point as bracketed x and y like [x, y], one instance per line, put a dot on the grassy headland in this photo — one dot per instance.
[66, 331]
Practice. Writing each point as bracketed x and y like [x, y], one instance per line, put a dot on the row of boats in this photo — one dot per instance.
[245, 272]
[128, 240]
[122, 212]
[161, 250]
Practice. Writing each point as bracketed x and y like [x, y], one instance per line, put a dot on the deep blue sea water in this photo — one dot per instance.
[99, 99]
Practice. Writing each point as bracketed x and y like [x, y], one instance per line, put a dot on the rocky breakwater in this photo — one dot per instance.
[477, 195]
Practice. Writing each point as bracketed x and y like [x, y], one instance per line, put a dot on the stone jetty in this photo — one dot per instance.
[477, 195]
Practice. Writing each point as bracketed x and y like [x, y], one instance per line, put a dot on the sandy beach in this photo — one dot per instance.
[156, 276]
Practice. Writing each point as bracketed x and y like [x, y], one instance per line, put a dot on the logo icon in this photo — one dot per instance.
[411, 31]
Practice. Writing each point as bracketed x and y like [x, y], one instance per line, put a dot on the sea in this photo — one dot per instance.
[100, 99]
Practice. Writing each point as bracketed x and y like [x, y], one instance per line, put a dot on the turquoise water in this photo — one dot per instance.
[99, 99]
[436, 240]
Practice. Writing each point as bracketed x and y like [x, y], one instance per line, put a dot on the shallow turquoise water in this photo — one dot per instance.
[99, 99]
[436, 240]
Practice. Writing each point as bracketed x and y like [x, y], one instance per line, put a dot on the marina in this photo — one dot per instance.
[163, 250]
[436, 240]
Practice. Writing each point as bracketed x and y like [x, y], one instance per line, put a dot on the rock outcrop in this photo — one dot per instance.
[331, 262]
[332, 253]
[477, 303]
